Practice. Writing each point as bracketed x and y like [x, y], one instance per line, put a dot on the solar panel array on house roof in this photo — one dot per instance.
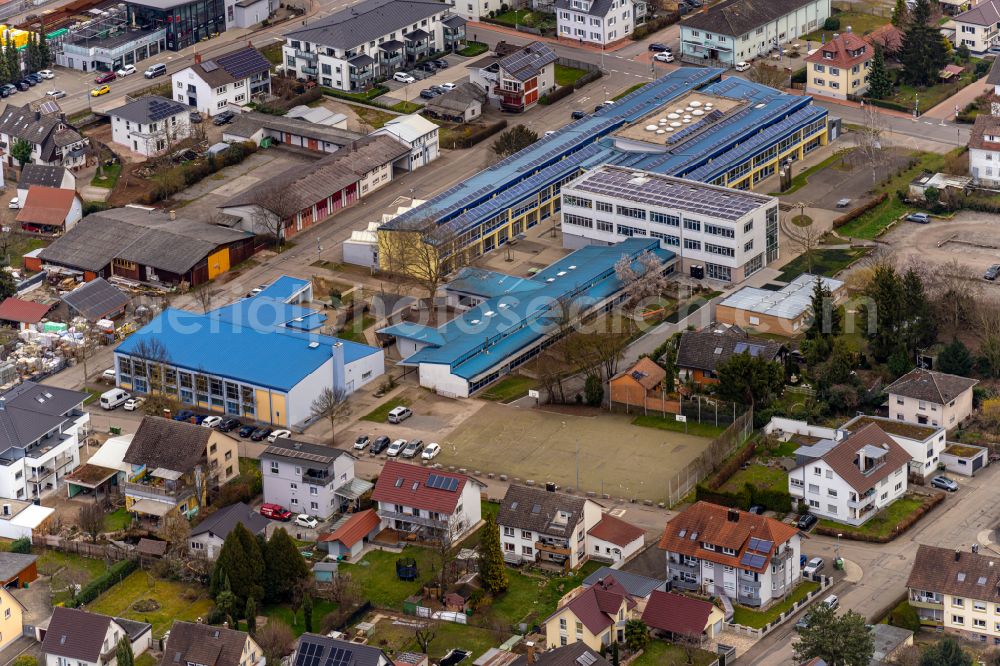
[440, 482]
[753, 560]
[760, 545]
[243, 63]
[312, 654]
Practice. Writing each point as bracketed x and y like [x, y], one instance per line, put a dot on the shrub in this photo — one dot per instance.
[799, 76]
[556, 95]
[118, 572]
[982, 67]
[175, 179]
[95, 206]
[475, 137]
[22, 545]
[831, 23]
[589, 77]
[905, 616]
[654, 24]
[888, 104]
[859, 211]
[731, 466]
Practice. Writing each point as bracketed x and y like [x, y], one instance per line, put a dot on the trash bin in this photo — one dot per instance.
[838, 564]
[115, 430]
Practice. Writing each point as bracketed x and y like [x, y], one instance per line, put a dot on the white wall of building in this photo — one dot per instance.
[577, 24]
[830, 496]
[210, 101]
[151, 138]
[921, 412]
[438, 377]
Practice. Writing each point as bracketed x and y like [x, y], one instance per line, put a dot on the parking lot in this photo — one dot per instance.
[454, 73]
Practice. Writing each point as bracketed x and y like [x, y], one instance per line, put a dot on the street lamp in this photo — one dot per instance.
[839, 534]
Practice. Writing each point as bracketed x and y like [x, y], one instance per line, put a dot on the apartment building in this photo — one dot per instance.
[600, 22]
[150, 125]
[852, 479]
[541, 526]
[979, 27]
[840, 67]
[231, 79]
[351, 48]
[957, 591]
[716, 550]
[718, 233]
[927, 397]
[310, 478]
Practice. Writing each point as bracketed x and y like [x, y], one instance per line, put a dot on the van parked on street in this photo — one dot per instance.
[114, 398]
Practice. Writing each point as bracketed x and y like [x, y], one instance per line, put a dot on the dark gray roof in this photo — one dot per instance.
[417, 35]
[994, 78]
[11, 564]
[569, 655]
[76, 634]
[314, 649]
[362, 60]
[704, 349]
[233, 66]
[149, 109]
[293, 448]
[96, 299]
[39, 174]
[931, 386]
[36, 128]
[985, 13]
[736, 17]
[459, 99]
[132, 628]
[597, 7]
[147, 237]
[204, 644]
[173, 445]
[248, 124]
[634, 584]
[29, 411]
[454, 21]
[222, 522]
[527, 508]
[366, 21]
[529, 61]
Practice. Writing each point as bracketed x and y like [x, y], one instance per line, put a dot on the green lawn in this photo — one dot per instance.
[883, 522]
[934, 95]
[668, 423]
[374, 118]
[381, 413]
[376, 574]
[802, 179]
[782, 450]
[117, 520]
[658, 653]
[273, 53]
[18, 246]
[861, 23]
[627, 91]
[355, 332]
[67, 569]
[406, 107]
[824, 262]
[320, 609]
[366, 96]
[567, 76]
[109, 176]
[871, 224]
[473, 49]
[178, 601]
[397, 638]
[526, 17]
[758, 476]
[757, 619]
[509, 388]
[531, 597]
[145, 659]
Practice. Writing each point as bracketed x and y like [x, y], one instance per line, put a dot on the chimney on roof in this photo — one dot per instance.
[958, 554]
[531, 652]
[836, 35]
[198, 620]
[733, 516]
[197, 58]
[167, 413]
[38, 115]
[225, 625]
[249, 44]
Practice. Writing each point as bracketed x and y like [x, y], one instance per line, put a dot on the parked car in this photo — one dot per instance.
[275, 512]
[195, 117]
[742, 66]
[14, 203]
[246, 430]
[380, 444]
[126, 71]
[658, 47]
[361, 442]
[441, 63]
[919, 218]
[260, 434]
[46, 74]
[256, 290]
[577, 115]
[56, 94]
[843, 203]
[133, 404]
[431, 451]
[396, 448]
[223, 118]
[22, 85]
[426, 67]
[412, 448]
[448, 86]
[183, 415]
[211, 421]
[302, 520]
[992, 272]
[832, 601]
[97, 92]
[399, 414]
[113, 398]
[11, 88]
[438, 89]
[33, 79]
[153, 71]
[429, 93]
[4, 92]
[757, 509]
[664, 57]
[806, 521]
[273, 437]
[105, 77]
[403, 77]
[813, 567]
[944, 483]
[803, 622]
[109, 374]
[229, 424]
[197, 418]
[694, 3]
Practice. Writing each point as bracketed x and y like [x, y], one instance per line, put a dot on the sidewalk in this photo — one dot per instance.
[492, 27]
[946, 109]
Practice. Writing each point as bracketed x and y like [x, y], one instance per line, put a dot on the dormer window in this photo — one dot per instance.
[829, 55]
[708, 546]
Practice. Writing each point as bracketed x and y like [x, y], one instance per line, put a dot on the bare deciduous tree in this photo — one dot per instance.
[988, 331]
[273, 206]
[868, 140]
[426, 254]
[424, 638]
[642, 276]
[204, 296]
[331, 404]
[768, 75]
[275, 640]
[152, 354]
[91, 520]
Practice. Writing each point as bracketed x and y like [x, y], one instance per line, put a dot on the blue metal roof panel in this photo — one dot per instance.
[284, 288]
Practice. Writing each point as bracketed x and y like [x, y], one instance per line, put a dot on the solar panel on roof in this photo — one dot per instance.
[209, 66]
[340, 657]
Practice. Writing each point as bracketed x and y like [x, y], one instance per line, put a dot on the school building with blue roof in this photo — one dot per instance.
[508, 320]
[759, 129]
[260, 358]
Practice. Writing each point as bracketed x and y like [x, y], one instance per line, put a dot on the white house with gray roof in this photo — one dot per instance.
[207, 538]
[600, 22]
[370, 40]
[979, 27]
[927, 397]
[150, 125]
[310, 478]
[231, 79]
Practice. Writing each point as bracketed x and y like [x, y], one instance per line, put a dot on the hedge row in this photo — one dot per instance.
[930, 502]
[118, 572]
[732, 465]
[773, 500]
[589, 77]
[475, 137]
[174, 180]
[556, 95]
[888, 104]
[280, 107]
[859, 211]
[366, 97]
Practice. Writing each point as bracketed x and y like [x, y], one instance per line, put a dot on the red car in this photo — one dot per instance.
[107, 77]
[275, 512]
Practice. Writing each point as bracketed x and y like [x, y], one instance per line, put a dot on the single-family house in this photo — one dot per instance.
[595, 617]
[234, 78]
[574, 654]
[310, 478]
[516, 81]
[461, 105]
[12, 614]
[957, 591]
[840, 67]
[415, 131]
[54, 142]
[314, 648]
[638, 586]
[49, 210]
[150, 125]
[854, 479]
[208, 536]
[208, 645]
[347, 537]
[718, 550]
[979, 27]
[549, 527]
[643, 385]
[677, 616]
[924, 444]
[614, 539]
[22, 314]
[928, 397]
[432, 505]
[172, 466]
[76, 637]
[597, 22]
[44, 176]
[700, 352]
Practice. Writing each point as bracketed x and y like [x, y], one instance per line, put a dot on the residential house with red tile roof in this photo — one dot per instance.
[596, 616]
[614, 539]
[840, 67]
[428, 504]
[349, 535]
[49, 210]
[680, 616]
[850, 482]
[727, 552]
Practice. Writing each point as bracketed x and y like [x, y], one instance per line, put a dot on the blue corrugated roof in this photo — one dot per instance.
[265, 356]
[487, 334]
[284, 288]
[261, 312]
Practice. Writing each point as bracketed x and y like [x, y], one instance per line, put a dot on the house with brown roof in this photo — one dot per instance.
[614, 539]
[957, 591]
[596, 617]
[231, 79]
[427, 504]
[81, 638]
[172, 464]
[699, 352]
[49, 210]
[855, 478]
[927, 397]
[545, 527]
[678, 616]
[22, 314]
[574, 654]
[208, 645]
[717, 550]
[644, 386]
[347, 538]
[840, 67]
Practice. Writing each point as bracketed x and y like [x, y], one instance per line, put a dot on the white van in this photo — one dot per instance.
[832, 601]
[399, 414]
[153, 71]
[113, 398]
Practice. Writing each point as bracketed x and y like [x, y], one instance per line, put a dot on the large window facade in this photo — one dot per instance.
[186, 24]
[189, 387]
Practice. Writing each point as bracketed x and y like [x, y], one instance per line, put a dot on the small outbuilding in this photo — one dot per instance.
[350, 534]
[17, 569]
[96, 300]
[22, 314]
[965, 459]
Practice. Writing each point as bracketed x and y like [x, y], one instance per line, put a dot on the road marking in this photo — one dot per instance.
[583, 99]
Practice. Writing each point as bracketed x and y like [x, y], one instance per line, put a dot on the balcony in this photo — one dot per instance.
[681, 565]
[862, 501]
[39, 474]
[152, 491]
[362, 76]
[317, 481]
[553, 549]
[308, 56]
[416, 520]
[926, 599]
[312, 71]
